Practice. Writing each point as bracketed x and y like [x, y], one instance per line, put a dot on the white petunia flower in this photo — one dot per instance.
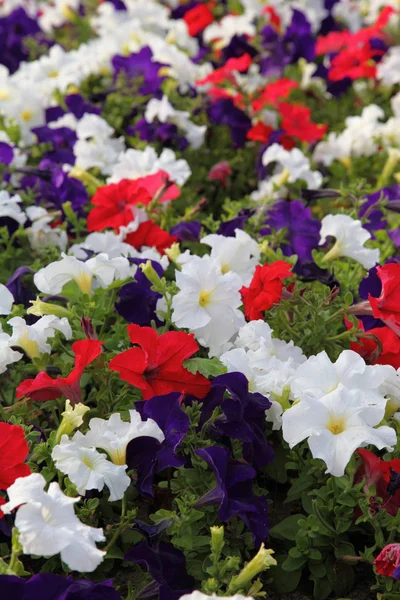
[10, 207]
[208, 303]
[47, 524]
[239, 254]
[388, 69]
[99, 271]
[40, 234]
[350, 239]
[113, 435]
[133, 164]
[7, 354]
[229, 26]
[88, 469]
[335, 426]
[6, 300]
[33, 338]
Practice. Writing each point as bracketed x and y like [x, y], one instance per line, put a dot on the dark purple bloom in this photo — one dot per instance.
[137, 301]
[309, 271]
[372, 208]
[78, 106]
[47, 586]
[62, 140]
[187, 231]
[227, 228]
[237, 47]
[141, 66]
[243, 417]
[166, 565]
[302, 229]
[146, 454]
[14, 29]
[6, 153]
[394, 235]
[233, 493]
[224, 112]
[166, 133]
[22, 294]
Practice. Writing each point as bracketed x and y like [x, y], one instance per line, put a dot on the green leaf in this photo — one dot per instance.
[209, 367]
[322, 588]
[294, 564]
[282, 583]
[287, 529]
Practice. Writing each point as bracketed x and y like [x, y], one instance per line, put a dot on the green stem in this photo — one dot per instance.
[119, 528]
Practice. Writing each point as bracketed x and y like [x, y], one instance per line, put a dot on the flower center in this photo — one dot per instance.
[86, 461]
[84, 282]
[204, 298]
[53, 74]
[336, 424]
[30, 346]
[26, 115]
[225, 269]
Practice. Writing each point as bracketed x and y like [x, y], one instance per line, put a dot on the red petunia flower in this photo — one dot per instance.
[151, 235]
[265, 288]
[388, 561]
[220, 172]
[13, 452]
[376, 472]
[333, 42]
[367, 346]
[353, 62]
[387, 306]
[296, 121]
[156, 365]
[259, 132]
[43, 387]
[113, 204]
[225, 73]
[274, 92]
[198, 18]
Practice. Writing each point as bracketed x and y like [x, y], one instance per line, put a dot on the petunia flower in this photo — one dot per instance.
[6, 300]
[49, 586]
[350, 239]
[336, 425]
[379, 345]
[47, 524]
[87, 468]
[233, 493]
[296, 122]
[207, 303]
[265, 288]
[13, 452]
[386, 306]
[387, 562]
[113, 435]
[377, 473]
[99, 271]
[44, 387]
[156, 366]
[33, 338]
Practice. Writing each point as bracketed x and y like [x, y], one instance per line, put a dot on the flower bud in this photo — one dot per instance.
[40, 308]
[72, 418]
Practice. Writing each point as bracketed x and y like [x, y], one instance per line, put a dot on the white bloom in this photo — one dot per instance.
[7, 355]
[133, 164]
[6, 300]
[388, 69]
[114, 435]
[207, 303]
[350, 239]
[335, 426]
[318, 376]
[40, 234]
[47, 524]
[88, 469]
[9, 207]
[33, 338]
[95, 146]
[239, 254]
[105, 241]
[98, 271]
[228, 27]
[164, 112]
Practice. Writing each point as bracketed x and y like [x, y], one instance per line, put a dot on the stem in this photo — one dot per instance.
[119, 528]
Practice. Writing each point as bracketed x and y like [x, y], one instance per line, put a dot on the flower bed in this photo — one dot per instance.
[200, 305]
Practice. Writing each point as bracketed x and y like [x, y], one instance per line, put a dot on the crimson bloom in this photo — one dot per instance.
[353, 62]
[387, 305]
[220, 172]
[151, 235]
[156, 365]
[198, 18]
[296, 121]
[274, 92]
[265, 288]
[43, 387]
[367, 347]
[377, 473]
[113, 204]
[13, 452]
[388, 561]
[259, 132]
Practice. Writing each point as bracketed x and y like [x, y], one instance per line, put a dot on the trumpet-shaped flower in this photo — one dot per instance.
[207, 303]
[113, 435]
[47, 524]
[88, 469]
[99, 271]
[33, 338]
[239, 254]
[9, 207]
[335, 426]
[350, 239]
[6, 300]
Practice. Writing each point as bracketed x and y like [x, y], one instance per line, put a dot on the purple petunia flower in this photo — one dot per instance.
[302, 229]
[62, 139]
[187, 231]
[22, 294]
[6, 153]
[137, 301]
[140, 65]
[47, 586]
[224, 112]
[14, 29]
[146, 454]
[233, 493]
